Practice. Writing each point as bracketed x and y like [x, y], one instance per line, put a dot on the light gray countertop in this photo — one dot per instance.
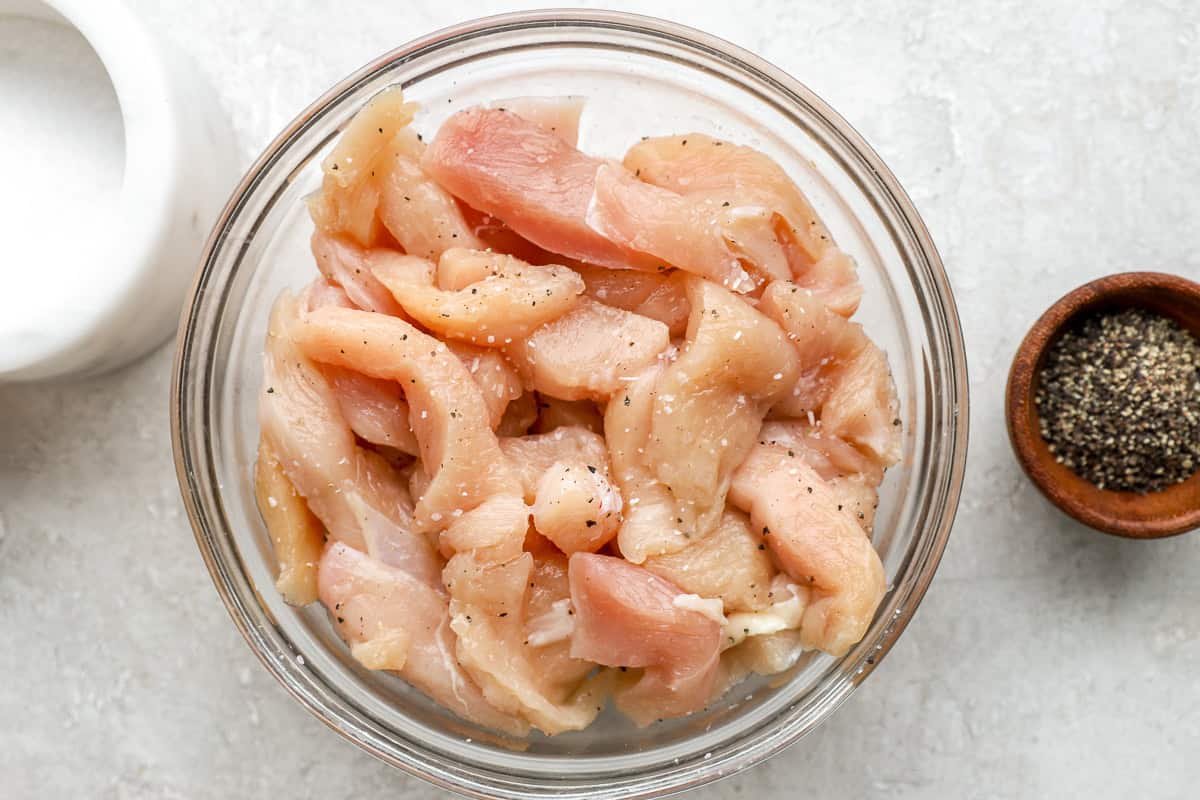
[1044, 145]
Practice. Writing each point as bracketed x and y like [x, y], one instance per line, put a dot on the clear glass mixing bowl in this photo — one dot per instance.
[641, 77]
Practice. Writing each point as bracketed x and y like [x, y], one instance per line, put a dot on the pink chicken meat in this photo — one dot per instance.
[549, 430]
[629, 617]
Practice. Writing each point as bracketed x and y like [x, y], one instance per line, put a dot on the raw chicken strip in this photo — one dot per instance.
[523, 668]
[354, 492]
[784, 612]
[532, 456]
[447, 411]
[457, 269]
[499, 238]
[853, 476]
[830, 456]
[689, 232]
[375, 409]
[651, 525]
[323, 292]
[699, 165]
[626, 616]
[297, 536]
[422, 216]
[492, 532]
[558, 115]
[492, 312]
[588, 352]
[704, 417]
[498, 381]
[392, 621]
[344, 263]
[817, 541]
[576, 506]
[657, 295]
[730, 563]
[766, 654]
[554, 413]
[513, 169]
[844, 378]
[348, 199]
[863, 407]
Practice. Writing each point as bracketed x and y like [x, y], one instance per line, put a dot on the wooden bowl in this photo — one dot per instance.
[1137, 516]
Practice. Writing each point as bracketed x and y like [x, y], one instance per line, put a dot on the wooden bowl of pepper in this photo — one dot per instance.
[1103, 404]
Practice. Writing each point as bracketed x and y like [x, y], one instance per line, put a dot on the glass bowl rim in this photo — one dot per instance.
[756, 68]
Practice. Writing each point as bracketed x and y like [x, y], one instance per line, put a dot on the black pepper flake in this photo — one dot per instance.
[591, 469]
[270, 390]
[503, 614]
[340, 620]
[591, 523]
[626, 399]
[1118, 401]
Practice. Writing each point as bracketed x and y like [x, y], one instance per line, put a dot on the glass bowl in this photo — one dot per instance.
[641, 77]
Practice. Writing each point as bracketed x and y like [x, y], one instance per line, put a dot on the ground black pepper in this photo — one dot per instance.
[1119, 401]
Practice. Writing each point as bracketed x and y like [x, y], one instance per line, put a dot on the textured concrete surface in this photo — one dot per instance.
[1045, 144]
